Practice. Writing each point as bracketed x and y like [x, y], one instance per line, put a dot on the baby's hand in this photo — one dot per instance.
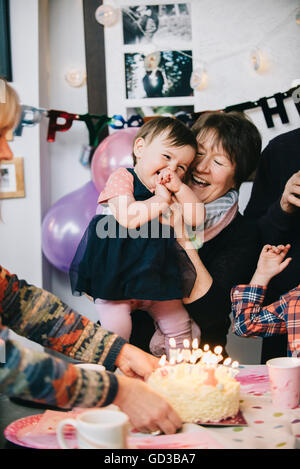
[170, 179]
[163, 192]
[271, 262]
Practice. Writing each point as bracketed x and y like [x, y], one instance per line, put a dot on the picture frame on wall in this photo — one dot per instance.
[125, 71]
[12, 179]
[5, 43]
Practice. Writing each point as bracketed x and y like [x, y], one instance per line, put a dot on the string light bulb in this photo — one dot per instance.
[107, 15]
[198, 78]
[75, 77]
[257, 60]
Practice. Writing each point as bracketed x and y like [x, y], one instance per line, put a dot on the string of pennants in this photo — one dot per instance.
[95, 123]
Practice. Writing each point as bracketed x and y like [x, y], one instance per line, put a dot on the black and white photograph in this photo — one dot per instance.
[157, 75]
[183, 113]
[12, 179]
[158, 23]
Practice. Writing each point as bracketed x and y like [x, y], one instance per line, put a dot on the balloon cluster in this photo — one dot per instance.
[66, 221]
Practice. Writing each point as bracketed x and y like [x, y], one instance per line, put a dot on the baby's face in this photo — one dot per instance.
[153, 157]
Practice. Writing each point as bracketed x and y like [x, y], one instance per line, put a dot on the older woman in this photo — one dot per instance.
[45, 319]
[229, 147]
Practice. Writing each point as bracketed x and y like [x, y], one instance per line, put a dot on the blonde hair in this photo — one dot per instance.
[9, 107]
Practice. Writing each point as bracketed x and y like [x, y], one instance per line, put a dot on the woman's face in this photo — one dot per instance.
[214, 174]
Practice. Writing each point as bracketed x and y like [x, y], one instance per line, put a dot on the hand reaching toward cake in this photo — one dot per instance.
[136, 363]
[147, 410]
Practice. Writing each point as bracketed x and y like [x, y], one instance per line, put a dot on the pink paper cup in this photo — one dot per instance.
[284, 373]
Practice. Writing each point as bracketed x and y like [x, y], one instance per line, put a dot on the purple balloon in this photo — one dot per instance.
[65, 224]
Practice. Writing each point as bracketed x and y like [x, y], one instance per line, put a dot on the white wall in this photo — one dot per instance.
[218, 28]
[20, 247]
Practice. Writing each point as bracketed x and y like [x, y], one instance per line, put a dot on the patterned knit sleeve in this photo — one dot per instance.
[36, 376]
[43, 318]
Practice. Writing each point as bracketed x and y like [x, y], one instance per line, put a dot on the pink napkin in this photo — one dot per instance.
[194, 440]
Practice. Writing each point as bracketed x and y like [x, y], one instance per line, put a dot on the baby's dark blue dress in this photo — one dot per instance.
[116, 263]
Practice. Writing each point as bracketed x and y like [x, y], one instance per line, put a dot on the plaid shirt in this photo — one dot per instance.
[281, 317]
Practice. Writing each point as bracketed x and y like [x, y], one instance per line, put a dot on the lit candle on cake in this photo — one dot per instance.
[162, 361]
[173, 350]
[211, 380]
[218, 350]
[186, 353]
[234, 368]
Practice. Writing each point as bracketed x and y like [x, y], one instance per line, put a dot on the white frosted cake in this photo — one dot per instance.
[198, 393]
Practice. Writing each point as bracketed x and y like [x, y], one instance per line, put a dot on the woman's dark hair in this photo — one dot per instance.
[238, 136]
[177, 133]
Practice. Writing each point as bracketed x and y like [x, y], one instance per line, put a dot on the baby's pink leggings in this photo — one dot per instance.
[171, 317]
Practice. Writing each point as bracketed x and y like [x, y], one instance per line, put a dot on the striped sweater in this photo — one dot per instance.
[41, 317]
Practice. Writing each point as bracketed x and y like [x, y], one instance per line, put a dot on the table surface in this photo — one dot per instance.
[267, 427]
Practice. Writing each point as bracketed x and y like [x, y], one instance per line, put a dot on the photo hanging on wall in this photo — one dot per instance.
[12, 179]
[161, 24]
[145, 72]
[164, 74]
[180, 112]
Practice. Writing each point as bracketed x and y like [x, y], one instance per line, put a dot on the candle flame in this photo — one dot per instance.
[195, 343]
[235, 364]
[162, 360]
[227, 361]
[186, 343]
[193, 359]
[218, 349]
[172, 361]
[172, 342]
[206, 348]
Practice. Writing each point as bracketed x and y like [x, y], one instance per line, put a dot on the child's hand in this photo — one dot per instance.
[170, 179]
[270, 263]
[163, 192]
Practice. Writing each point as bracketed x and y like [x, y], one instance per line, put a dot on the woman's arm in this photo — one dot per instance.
[43, 318]
[229, 259]
[39, 377]
[36, 376]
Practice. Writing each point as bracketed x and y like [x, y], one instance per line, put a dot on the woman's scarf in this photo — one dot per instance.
[218, 215]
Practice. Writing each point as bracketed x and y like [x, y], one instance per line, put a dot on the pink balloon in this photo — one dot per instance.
[114, 152]
[65, 223]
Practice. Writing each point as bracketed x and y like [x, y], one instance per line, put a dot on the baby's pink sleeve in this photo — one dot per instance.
[120, 182]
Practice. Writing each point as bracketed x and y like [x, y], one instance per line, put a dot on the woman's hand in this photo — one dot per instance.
[146, 409]
[136, 363]
[270, 263]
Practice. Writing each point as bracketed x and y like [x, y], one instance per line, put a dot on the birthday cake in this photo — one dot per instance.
[198, 393]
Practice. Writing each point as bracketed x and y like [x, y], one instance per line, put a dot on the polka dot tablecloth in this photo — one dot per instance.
[267, 427]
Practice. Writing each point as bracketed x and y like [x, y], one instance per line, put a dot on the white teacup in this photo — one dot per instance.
[97, 429]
